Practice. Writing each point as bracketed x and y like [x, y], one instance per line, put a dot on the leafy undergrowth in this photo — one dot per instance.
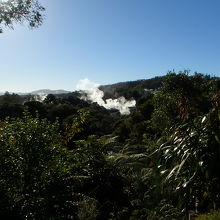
[212, 216]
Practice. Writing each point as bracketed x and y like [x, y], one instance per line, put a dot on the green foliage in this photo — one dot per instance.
[160, 162]
[212, 216]
[181, 98]
[51, 99]
[87, 209]
[190, 160]
[132, 89]
[74, 126]
[102, 181]
[38, 177]
[32, 161]
[60, 111]
[35, 107]
[163, 211]
[13, 98]
[20, 11]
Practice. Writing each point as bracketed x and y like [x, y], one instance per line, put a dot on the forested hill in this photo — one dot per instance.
[131, 89]
[67, 158]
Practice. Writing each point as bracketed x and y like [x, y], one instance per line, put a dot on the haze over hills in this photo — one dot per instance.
[49, 91]
[42, 91]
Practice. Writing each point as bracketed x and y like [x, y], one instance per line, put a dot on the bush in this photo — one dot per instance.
[34, 178]
[212, 216]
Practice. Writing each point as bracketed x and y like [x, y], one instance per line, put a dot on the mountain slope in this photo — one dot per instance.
[131, 89]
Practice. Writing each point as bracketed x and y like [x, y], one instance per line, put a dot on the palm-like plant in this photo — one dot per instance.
[189, 160]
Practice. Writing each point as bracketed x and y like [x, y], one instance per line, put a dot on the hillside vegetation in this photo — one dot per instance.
[65, 158]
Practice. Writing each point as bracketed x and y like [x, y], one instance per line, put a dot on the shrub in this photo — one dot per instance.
[212, 216]
[33, 170]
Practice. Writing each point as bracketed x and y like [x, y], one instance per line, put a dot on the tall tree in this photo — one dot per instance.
[20, 11]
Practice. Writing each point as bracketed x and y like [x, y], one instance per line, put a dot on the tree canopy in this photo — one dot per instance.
[20, 11]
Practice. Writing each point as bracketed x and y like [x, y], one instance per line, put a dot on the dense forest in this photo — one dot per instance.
[66, 158]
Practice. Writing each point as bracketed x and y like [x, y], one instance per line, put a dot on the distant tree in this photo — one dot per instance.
[11, 110]
[10, 98]
[61, 111]
[20, 11]
[36, 107]
[50, 99]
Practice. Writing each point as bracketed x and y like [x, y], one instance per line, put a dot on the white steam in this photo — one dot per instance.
[86, 84]
[94, 94]
[40, 97]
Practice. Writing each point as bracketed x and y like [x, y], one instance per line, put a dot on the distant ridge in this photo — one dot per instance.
[41, 91]
[48, 91]
[131, 89]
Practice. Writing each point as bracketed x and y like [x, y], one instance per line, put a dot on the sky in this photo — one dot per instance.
[109, 41]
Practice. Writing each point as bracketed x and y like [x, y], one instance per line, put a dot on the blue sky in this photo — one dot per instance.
[109, 41]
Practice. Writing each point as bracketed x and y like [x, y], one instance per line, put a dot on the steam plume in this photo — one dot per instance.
[92, 93]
